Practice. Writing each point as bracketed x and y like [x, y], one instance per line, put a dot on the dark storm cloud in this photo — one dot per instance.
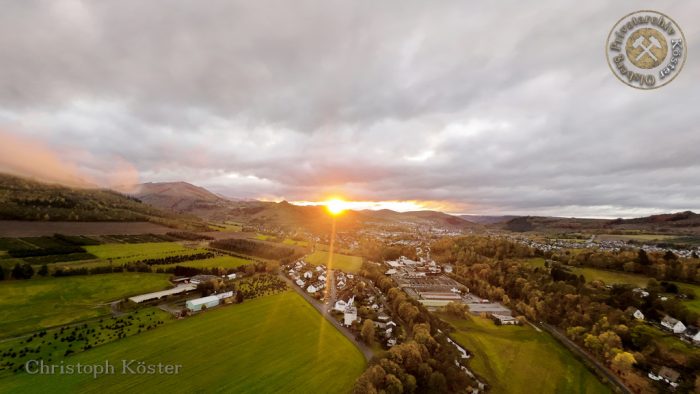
[498, 107]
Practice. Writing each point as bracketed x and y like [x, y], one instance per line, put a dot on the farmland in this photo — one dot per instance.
[38, 303]
[55, 344]
[518, 359]
[340, 261]
[125, 253]
[276, 343]
[215, 262]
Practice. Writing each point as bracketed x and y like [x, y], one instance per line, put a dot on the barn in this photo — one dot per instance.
[197, 304]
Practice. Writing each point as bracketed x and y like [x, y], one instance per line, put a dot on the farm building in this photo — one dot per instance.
[197, 279]
[504, 319]
[162, 294]
[197, 304]
[673, 324]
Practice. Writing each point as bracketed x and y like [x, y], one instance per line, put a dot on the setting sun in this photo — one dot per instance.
[335, 206]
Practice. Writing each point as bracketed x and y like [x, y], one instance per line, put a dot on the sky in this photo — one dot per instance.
[500, 107]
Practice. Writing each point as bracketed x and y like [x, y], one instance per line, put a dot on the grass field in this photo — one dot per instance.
[271, 344]
[124, 253]
[340, 261]
[518, 359]
[214, 262]
[29, 305]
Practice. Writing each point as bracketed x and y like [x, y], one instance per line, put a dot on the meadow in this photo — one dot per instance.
[30, 305]
[340, 261]
[276, 343]
[519, 359]
[214, 262]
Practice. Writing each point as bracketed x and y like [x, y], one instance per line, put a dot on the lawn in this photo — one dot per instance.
[29, 305]
[340, 261]
[271, 344]
[124, 253]
[518, 359]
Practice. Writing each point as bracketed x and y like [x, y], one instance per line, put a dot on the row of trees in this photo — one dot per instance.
[259, 249]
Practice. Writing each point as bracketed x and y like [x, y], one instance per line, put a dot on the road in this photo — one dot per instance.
[574, 347]
[325, 312]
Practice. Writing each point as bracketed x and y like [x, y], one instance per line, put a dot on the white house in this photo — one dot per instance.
[308, 274]
[311, 289]
[673, 324]
[322, 278]
[300, 282]
[504, 319]
[350, 315]
[340, 306]
[638, 315]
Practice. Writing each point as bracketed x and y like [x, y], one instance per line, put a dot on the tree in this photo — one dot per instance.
[24, 271]
[2, 274]
[642, 257]
[623, 361]
[367, 332]
[668, 256]
[44, 270]
[393, 384]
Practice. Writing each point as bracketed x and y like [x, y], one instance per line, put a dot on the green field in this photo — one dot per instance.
[214, 262]
[126, 253]
[272, 344]
[29, 305]
[340, 261]
[518, 359]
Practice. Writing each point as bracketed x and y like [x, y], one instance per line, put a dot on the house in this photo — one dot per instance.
[340, 306]
[669, 375]
[692, 333]
[383, 317]
[300, 282]
[311, 289]
[308, 275]
[319, 268]
[391, 271]
[231, 276]
[350, 315]
[447, 269]
[391, 342]
[322, 278]
[504, 319]
[673, 324]
[638, 315]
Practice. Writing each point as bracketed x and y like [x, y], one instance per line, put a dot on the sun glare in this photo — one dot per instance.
[335, 206]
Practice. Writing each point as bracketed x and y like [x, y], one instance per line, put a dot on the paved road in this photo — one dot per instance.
[574, 347]
[325, 311]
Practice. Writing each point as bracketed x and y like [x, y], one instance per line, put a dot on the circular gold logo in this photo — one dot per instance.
[646, 49]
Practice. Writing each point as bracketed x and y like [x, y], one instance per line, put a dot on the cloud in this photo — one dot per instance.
[484, 107]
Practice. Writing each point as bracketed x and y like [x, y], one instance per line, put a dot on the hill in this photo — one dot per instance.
[181, 197]
[481, 219]
[681, 223]
[24, 199]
